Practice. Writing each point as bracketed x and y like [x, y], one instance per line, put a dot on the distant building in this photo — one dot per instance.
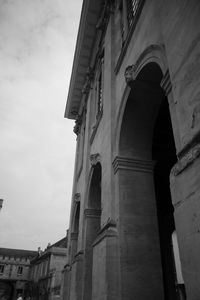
[46, 272]
[14, 272]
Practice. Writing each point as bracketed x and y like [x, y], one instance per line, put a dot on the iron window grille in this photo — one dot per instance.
[132, 7]
[100, 95]
[2, 267]
[20, 270]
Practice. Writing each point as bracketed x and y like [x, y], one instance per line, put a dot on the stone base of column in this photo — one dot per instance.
[106, 285]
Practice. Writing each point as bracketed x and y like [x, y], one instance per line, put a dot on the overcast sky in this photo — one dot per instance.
[37, 145]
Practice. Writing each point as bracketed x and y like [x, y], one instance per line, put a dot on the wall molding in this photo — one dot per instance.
[77, 197]
[108, 230]
[132, 164]
[186, 160]
[95, 158]
[92, 213]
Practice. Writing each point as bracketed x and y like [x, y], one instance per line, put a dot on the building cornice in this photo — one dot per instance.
[84, 45]
[94, 17]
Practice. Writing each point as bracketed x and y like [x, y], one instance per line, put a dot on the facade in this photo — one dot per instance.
[134, 95]
[46, 272]
[14, 272]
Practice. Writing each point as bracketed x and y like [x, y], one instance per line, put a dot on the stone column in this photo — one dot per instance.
[185, 189]
[79, 273]
[76, 277]
[92, 226]
[66, 284]
[74, 238]
[105, 273]
[140, 261]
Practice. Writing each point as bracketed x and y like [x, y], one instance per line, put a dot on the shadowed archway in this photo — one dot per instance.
[147, 153]
[92, 227]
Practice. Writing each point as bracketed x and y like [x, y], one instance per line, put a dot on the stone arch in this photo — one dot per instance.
[154, 53]
[76, 213]
[143, 165]
[75, 225]
[94, 196]
[138, 107]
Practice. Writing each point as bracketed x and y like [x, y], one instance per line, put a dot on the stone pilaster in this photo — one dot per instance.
[140, 261]
[92, 213]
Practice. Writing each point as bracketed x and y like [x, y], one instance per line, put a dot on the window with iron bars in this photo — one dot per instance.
[2, 269]
[99, 88]
[132, 7]
[100, 94]
[20, 270]
[128, 11]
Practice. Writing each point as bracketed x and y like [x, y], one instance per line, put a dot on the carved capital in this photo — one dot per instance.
[109, 224]
[78, 123]
[95, 158]
[129, 74]
[67, 268]
[77, 197]
[92, 213]
[166, 84]
[132, 164]
[79, 255]
[186, 160]
[109, 230]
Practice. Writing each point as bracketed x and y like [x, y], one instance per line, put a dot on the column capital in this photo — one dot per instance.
[78, 123]
[95, 158]
[67, 268]
[92, 213]
[132, 164]
[108, 230]
[79, 255]
[129, 74]
[77, 197]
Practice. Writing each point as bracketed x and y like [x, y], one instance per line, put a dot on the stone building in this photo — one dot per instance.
[135, 97]
[14, 272]
[46, 272]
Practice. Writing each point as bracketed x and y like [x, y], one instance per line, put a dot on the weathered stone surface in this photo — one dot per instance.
[122, 259]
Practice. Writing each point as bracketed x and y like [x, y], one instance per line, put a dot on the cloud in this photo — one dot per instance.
[36, 50]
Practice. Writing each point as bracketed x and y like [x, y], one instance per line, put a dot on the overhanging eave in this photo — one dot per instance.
[84, 44]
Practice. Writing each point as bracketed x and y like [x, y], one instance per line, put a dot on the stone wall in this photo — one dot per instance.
[163, 50]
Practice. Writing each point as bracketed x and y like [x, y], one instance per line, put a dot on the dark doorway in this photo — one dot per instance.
[146, 210]
[92, 227]
[75, 231]
[164, 155]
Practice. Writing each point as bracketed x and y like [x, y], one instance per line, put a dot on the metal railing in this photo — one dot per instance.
[132, 7]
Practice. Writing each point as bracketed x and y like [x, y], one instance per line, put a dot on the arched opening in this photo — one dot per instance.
[75, 231]
[146, 211]
[92, 227]
[164, 155]
[94, 201]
